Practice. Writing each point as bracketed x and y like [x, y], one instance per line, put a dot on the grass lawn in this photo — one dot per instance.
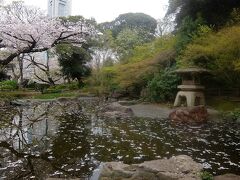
[18, 94]
[26, 94]
[55, 95]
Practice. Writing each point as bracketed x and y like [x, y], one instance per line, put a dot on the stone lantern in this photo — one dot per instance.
[191, 91]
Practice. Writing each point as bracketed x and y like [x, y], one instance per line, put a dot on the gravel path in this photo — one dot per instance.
[162, 112]
[150, 111]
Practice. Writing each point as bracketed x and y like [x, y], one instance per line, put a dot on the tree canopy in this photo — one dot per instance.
[130, 30]
[133, 21]
[74, 61]
[214, 12]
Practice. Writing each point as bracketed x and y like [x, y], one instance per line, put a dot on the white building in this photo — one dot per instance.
[58, 8]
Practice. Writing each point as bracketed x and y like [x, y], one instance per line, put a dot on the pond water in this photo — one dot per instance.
[69, 139]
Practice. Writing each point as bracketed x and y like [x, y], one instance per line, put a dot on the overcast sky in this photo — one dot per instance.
[107, 10]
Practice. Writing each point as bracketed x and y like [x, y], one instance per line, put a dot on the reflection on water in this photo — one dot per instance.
[68, 139]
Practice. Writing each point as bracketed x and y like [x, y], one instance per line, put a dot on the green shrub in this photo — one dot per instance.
[8, 85]
[41, 87]
[218, 52]
[58, 87]
[73, 86]
[232, 115]
[206, 175]
[163, 87]
[96, 90]
[31, 85]
[3, 75]
[133, 76]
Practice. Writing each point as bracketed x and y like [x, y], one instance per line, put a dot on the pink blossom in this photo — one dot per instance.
[25, 29]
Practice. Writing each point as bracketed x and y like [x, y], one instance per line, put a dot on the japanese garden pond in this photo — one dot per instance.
[68, 138]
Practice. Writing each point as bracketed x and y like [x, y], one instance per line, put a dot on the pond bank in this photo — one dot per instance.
[181, 167]
[162, 111]
[141, 110]
[150, 111]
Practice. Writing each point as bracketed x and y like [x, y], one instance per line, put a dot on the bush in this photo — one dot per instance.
[3, 75]
[58, 87]
[218, 52]
[41, 87]
[163, 87]
[8, 85]
[206, 175]
[232, 115]
[73, 86]
[133, 76]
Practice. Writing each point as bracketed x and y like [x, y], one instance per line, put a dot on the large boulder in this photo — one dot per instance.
[197, 114]
[176, 168]
[227, 177]
[19, 102]
[116, 111]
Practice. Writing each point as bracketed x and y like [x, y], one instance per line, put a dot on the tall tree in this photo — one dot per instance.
[214, 12]
[74, 61]
[43, 71]
[140, 22]
[126, 40]
[165, 25]
[188, 30]
[130, 30]
[104, 50]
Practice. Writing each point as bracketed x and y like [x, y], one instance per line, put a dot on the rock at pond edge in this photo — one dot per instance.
[176, 168]
[227, 177]
[116, 111]
[197, 114]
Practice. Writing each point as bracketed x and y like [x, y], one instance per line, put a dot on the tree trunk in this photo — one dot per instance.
[20, 62]
[51, 82]
[80, 82]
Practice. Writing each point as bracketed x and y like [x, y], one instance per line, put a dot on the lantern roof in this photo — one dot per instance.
[193, 70]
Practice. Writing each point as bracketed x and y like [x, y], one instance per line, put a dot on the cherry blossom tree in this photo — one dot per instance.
[43, 71]
[26, 29]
